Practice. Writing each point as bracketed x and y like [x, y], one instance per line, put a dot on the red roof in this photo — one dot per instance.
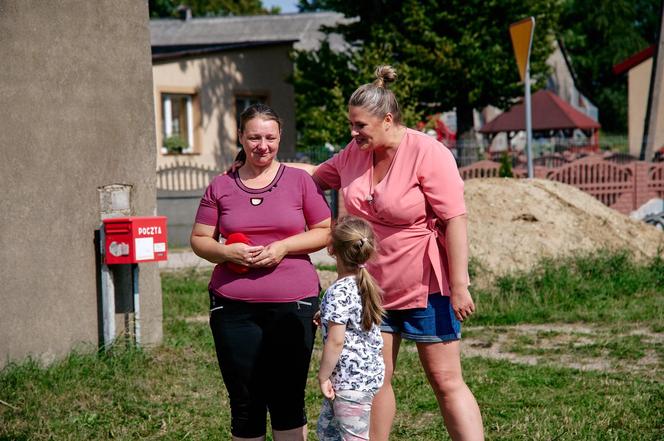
[549, 112]
[634, 60]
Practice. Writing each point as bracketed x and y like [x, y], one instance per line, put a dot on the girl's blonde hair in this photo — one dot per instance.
[353, 243]
[375, 97]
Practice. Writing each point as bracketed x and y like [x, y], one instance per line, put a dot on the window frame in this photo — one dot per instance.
[193, 119]
[246, 94]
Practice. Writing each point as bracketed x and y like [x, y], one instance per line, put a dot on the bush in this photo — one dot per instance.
[175, 144]
[505, 170]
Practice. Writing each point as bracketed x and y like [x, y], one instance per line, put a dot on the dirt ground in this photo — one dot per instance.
[570, 345]
[513, 223]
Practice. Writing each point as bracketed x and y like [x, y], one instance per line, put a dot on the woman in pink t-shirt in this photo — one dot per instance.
[264, 289]
[406, 184]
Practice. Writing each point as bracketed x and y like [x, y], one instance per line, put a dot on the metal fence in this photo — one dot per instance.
[184, 177]
[179, 190]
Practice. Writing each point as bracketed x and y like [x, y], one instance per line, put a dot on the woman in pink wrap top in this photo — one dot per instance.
[421, 187]
[406, 184]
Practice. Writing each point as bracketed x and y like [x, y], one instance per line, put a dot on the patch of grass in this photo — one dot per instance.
[175, 391]
[548, 334]
[166, 393]
[543, 403]
[324, 267]
[520, 402]
[185, 293]
[594, 288]
[474, 267]
[523, 339]
[633, 352]
[629, 347]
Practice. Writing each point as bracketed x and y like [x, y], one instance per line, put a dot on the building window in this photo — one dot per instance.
[177, 122]
[244, 101]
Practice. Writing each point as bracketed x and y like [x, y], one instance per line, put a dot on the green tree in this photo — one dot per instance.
[452, 54]
[208, 8]
[321, 80]
[325, 79]
[597, 35]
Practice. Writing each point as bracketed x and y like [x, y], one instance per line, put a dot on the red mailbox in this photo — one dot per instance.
[135, 239]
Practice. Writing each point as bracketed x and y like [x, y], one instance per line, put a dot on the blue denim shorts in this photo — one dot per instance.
[435, 323]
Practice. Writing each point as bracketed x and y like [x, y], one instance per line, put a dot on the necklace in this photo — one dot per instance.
[369, 198]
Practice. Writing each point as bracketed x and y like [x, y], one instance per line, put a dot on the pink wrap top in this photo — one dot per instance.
[421, 187]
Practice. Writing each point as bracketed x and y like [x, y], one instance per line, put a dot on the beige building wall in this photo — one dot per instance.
[638, 89]
[76, 94]
[216, 80]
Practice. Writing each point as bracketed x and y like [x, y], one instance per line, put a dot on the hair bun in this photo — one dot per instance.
[385, 74]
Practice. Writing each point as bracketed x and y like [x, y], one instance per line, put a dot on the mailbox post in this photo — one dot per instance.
[130, 241]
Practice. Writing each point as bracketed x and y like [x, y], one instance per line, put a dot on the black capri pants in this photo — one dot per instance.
[264, 351]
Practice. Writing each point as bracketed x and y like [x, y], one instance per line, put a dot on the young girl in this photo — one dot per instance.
[352, 368]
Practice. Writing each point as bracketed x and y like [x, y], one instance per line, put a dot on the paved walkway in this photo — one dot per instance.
[187, 259]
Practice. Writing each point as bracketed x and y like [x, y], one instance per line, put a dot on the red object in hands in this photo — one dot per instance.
[237, 238]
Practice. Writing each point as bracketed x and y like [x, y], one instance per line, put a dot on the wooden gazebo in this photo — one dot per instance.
[551, 116]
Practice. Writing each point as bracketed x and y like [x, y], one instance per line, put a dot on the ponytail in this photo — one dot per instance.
[372, 304]
[354, 244]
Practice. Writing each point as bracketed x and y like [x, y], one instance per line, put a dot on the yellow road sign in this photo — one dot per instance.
[521, 33]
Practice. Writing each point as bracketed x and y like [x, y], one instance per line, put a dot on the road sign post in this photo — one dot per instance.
[521, 34]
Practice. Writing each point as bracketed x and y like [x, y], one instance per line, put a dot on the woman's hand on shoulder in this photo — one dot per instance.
[309, 168]
[462, 302]
[271, 255]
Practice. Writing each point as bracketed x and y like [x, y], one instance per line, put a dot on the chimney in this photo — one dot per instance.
[184, 12]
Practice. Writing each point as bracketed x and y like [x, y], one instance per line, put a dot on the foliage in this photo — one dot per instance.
[209, 8]
[175, 144]
[505, 170]
[452, 54]
[321, 83]
[597, 35]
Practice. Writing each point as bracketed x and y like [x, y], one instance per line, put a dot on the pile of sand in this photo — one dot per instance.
[514, 223]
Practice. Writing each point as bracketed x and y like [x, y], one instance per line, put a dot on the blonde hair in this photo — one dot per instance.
[375, 97]
[353, 244]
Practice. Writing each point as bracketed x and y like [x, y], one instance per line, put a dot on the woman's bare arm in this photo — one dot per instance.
[456, 241]
[336, 333]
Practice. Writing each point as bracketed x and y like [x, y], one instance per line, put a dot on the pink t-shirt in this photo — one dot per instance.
[421, 186]
[284, 208]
